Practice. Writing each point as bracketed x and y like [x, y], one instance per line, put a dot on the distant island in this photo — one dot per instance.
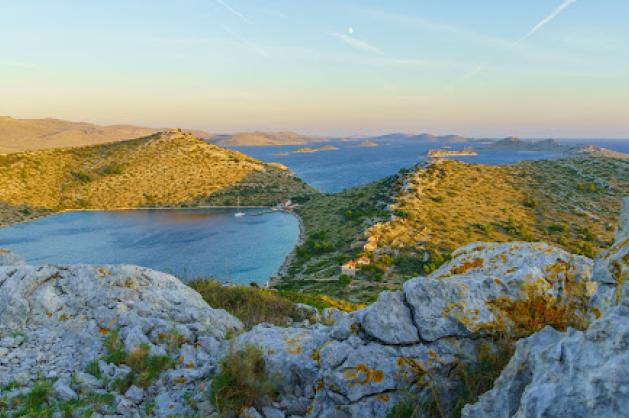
[552, 145]
[440, 153]
[308, 150]
[368, 143]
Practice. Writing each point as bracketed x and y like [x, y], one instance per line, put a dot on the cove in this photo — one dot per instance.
[187, 243]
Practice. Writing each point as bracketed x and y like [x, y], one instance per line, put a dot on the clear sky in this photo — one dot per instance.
[533, 68]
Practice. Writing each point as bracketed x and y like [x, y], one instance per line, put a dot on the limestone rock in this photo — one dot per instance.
[580, 373]
[472, 293]
[54, 319]
[389, 320]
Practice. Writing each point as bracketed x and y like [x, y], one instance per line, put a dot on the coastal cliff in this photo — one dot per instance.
[130, 341]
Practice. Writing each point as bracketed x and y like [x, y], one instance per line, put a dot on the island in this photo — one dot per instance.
[368, 143]
[441, 153]
[309, 150]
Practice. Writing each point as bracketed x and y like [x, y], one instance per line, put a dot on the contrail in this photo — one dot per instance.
[233, 11]
[545, 21]
[479, 68]
[357, 43]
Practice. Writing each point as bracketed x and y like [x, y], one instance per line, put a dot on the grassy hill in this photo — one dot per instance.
[164, 169]
[572, 203]
[437, 208]
[29, 134]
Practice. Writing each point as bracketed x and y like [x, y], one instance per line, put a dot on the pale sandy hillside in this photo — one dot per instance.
[29, 134]
[165, 169]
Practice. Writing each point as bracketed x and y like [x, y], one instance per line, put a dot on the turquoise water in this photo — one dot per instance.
[188, 243]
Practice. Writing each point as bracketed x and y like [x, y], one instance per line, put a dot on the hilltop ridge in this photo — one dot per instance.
[28, 134]
[171, 168]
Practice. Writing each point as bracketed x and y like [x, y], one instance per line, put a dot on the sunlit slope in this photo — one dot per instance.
[170, 169]
[571, 202]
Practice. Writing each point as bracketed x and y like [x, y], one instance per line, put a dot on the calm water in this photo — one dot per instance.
[187, 243]
[352, 165]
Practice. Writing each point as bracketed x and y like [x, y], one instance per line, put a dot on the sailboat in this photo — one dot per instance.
[239, 213]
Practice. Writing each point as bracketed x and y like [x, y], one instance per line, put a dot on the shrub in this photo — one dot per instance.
[557, 228]
[371, 272]
[345, 280]
[111, 169]
[249, 304]
[81, 176]
[483, 227]
[587, 233]
[530, 202]
[243, 381]
[408, 265]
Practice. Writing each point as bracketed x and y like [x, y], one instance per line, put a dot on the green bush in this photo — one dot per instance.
[81, 176]
[557, 228]
[243, 381]
[345, 280]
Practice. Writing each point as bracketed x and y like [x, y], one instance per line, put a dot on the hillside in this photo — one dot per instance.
[165, 169]
[262, 139]
[29, 134]
[571, 202]
[436, 208]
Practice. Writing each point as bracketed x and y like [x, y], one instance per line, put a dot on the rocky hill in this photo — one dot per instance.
[443, 205]
[29, 134]
[172, 168]
[128, 341]
[410, 224]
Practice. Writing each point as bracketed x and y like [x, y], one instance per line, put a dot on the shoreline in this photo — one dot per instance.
[268, 283]
[281, 271]
[53, 213]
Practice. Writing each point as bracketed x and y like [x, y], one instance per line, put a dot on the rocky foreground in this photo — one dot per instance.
[71, 325]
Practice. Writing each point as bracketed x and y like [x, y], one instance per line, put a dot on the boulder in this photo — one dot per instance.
[487, 285]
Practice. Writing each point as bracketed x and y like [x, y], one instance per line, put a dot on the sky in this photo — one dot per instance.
[483, 68]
